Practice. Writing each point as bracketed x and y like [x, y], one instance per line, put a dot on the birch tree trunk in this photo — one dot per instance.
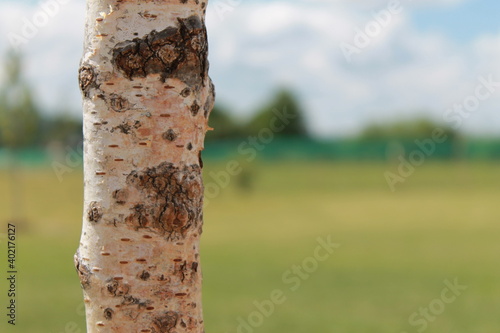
[146, 100]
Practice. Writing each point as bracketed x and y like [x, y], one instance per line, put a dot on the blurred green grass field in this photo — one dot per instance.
[396, 249]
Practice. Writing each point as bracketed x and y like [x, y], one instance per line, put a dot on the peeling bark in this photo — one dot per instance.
[146, 100]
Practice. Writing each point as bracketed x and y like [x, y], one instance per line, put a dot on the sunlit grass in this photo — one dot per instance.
[396, 248]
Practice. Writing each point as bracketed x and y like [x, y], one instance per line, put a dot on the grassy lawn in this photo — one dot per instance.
[396, 250]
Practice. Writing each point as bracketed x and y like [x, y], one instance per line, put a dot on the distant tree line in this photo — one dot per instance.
[226, 127]
[407, 130]
[22, 124]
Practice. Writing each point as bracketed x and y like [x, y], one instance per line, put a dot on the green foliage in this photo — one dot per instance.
[407, 130]
[21, 124]
[63, 128]
[19, 116]
[226, 128]
[284, 99]
[223, 124]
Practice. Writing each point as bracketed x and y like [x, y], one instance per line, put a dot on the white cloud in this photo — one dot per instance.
[272, 18]
[52, 50]
[402, 71]
[261, 45]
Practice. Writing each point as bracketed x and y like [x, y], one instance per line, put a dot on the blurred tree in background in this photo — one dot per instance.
[225, 127]
[22, 125]
[283, 100]
[402, 135]
[407, 130]
[19, 116]
[62, 128]
[19, 128]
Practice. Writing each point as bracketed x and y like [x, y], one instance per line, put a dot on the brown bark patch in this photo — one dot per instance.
[166, 322]
[180, 271]
[176, 52]
[164, 294]
[120, 196]
[126, 127]
[172, 199]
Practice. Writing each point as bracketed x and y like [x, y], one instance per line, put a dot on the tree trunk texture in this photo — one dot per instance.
[146, 101]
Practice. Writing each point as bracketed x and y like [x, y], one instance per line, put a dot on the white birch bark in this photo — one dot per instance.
[146, 101]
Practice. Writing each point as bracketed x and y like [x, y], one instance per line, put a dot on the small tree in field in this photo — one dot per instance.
[146, 100]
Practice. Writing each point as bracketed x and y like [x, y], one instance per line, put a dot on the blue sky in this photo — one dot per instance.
[427, 59]
[462, 22]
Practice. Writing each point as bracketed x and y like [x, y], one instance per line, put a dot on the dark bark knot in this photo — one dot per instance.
[173, 199]
[176, 52]
[94, 213]
[126, 127]
[116, 288]
[118, 103]
[209, 103]
[108, 313]
[83, 272]
[185, 92]
[194, 109]
[167, 322]
[144, 276]
[170, 135]
[86, 79]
